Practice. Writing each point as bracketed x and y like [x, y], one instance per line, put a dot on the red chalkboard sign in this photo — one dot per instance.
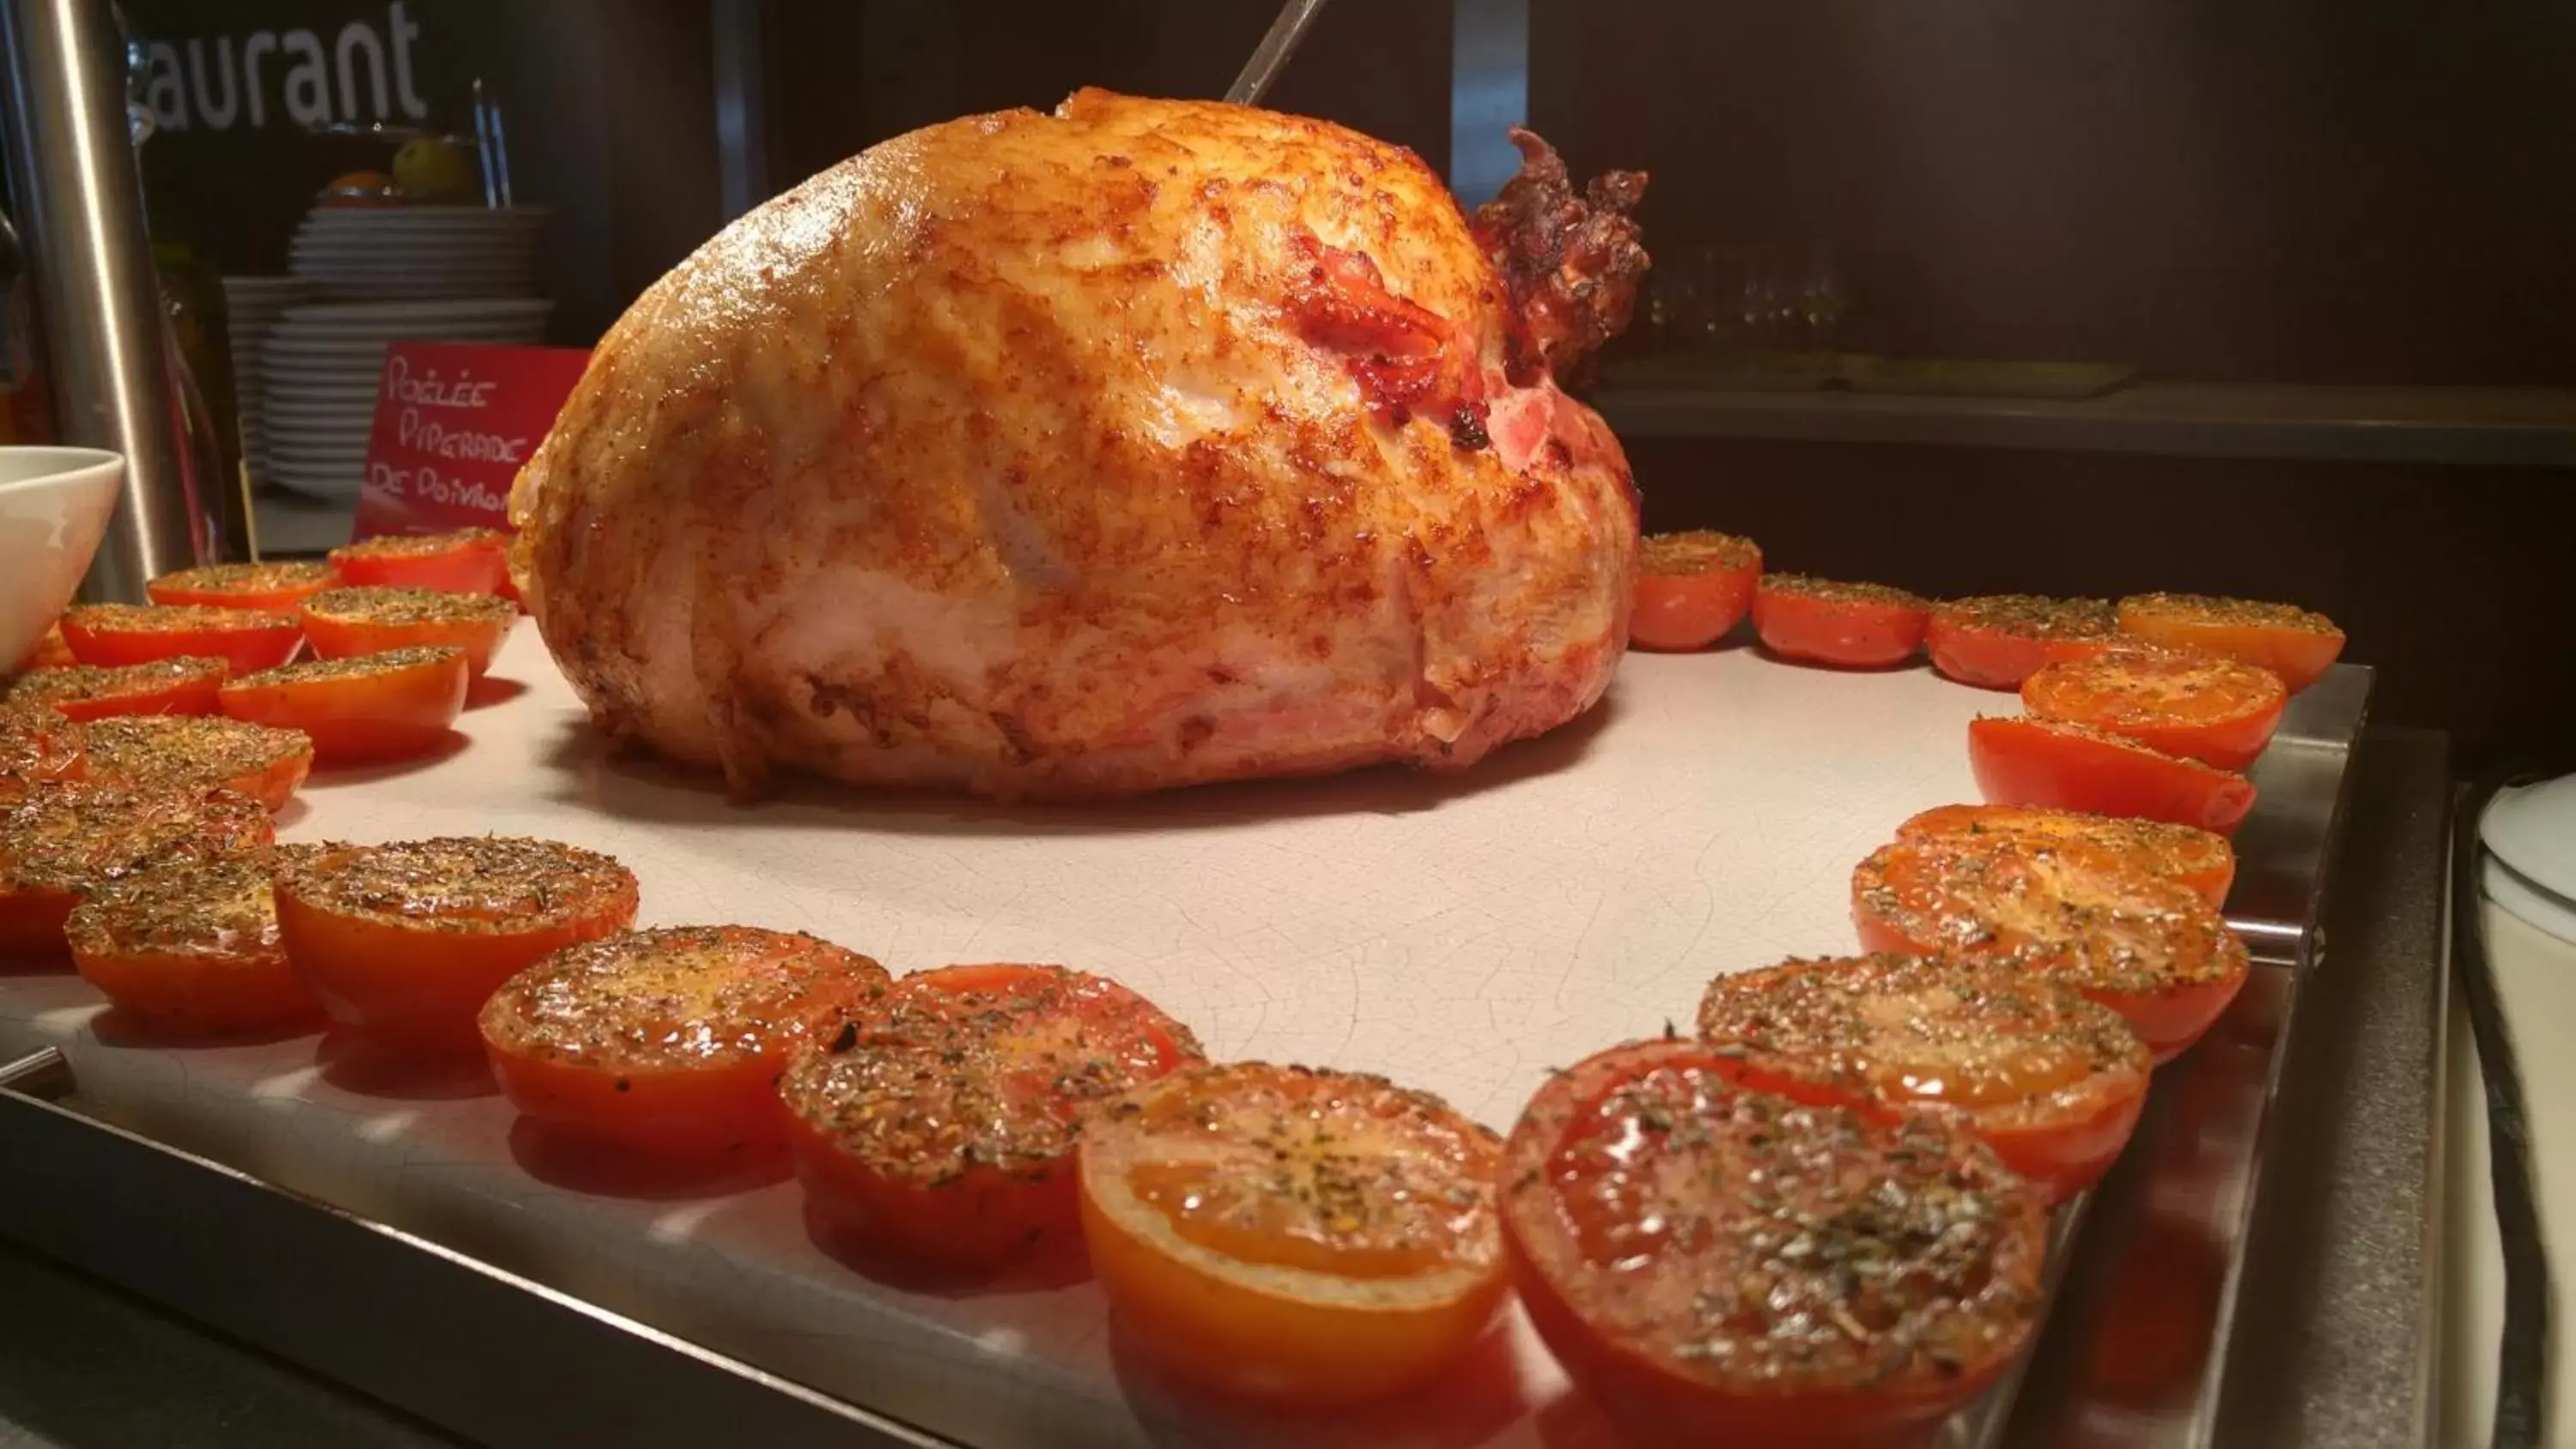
[454, 420]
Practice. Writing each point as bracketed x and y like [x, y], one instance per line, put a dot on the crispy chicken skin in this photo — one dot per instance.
[1143, 444]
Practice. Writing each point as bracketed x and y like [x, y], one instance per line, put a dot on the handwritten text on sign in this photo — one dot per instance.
[454, 421]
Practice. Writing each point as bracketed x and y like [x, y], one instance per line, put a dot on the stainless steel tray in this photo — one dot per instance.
[472, 1339]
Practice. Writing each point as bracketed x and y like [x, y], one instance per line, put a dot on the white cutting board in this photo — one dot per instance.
[1459, 933]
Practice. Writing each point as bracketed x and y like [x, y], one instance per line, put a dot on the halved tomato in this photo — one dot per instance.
[245, 639]
[2200, 859]
[388, 706]
[87, 692]
[2051, 1081]
[405, 942]
[1302, 1237]
[38, 743]
[2218, 711]
[2146, 947]
[2024, 761]
[942, 1123]
[63, 839]
[669, 1041]
[190, 947]
[1692, 588]
[49, 651]
[1719, 1266]
[1999, 640]
[466, 561]
[199, 752]
[275, 586]
[344, 623]
[1850, 626]
[2292, 642]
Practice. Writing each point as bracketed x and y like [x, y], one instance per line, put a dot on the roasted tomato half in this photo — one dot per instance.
[391, 706]
[190, 947]
[2148, 948]
[273, 586]
[1720, 1266]
[1999, 640]
[2200, 859]
[65, 839]
[1301, 1237]
[1692, 588]
[348, 622]
[2052, 1082]
[2024, 761]
[405, 942]
[941, 1124]
[245, 639]
[1850, 626]
[2219, 711]
[467, 561]
[669, 1041]
[38, 743]
[2291, 642]
[200, 752]
[85, 692]
[49, 651]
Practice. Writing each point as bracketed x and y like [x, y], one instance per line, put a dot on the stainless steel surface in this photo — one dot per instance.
[40, 1073]
[80, 208]
[500, 1358]
[2283, 847]
[1489, 53]
[1273, 52]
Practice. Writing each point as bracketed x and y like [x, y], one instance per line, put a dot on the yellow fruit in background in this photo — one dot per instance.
[429, 169]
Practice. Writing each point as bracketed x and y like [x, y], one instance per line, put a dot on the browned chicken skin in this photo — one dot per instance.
[1143, 444]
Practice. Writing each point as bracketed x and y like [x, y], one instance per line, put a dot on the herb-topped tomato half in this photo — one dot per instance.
[344, 623]
[273, 586]
[2218, 711]
[467, 561]
[2294, 643]
[669, 1041]
[86, 692]
[1692, 588]
[391, 706]
[2052, 1082]
[245, 639]
[1284, 1235]
[2025, 761]
[941, 1122]
[200, 752]
[405, 942]
[190, 947]
[37, 743]
[64, 839]
[2148, 948]
[2200, 859]
[1999, 640]
[1722, 1266]
[1850, 626]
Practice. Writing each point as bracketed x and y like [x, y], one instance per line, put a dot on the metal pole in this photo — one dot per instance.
[72, 174]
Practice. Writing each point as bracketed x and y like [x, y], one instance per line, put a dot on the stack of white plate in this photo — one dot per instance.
[380, 253]
[252, 305]
[322, 363]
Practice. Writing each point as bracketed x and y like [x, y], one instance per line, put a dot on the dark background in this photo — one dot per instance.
[2299, 191]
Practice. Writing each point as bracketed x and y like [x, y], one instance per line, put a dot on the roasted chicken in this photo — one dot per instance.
[1137, 445]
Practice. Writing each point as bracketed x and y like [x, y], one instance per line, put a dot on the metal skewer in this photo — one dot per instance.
[1273, 53]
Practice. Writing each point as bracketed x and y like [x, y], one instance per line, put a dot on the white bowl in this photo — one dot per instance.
[54, 505]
